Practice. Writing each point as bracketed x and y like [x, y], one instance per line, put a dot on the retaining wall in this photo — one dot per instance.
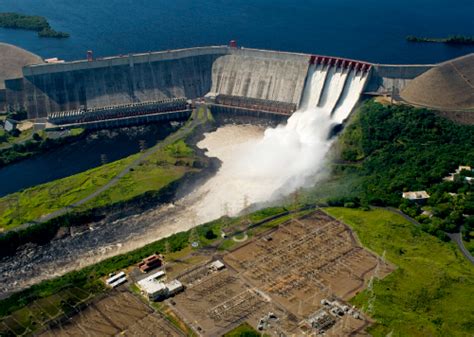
[387, 78]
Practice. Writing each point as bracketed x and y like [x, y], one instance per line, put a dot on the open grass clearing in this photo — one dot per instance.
[431, 291]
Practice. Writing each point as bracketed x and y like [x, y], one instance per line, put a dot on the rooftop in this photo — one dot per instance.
[415, 195]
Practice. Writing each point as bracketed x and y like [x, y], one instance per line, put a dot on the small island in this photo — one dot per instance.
[454, 39]
[30, 22]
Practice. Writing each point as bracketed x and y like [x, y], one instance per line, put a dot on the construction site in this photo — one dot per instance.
[293, 280]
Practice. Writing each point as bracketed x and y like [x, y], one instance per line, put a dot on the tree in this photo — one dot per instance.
[37, 137]
[210, 235]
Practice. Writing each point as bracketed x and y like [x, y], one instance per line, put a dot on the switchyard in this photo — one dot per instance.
[119, 313]
[292, 280]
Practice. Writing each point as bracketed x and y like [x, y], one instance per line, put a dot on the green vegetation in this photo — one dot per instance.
[88, 282]
[20, 145]
[29, 22]
[468, 238]
[450, 208]
[243, 330]
[454, 39]
[32, 203]
[153, 174]
[157, 171]
[429, 294]
[387, 150]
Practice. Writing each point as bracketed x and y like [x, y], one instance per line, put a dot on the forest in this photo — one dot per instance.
[30, 22]
[393, 149]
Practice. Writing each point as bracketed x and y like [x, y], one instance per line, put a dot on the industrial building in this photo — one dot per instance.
[151, 262]
[154, 288]
[116, 280]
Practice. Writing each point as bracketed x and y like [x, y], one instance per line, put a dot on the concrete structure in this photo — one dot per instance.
[10, 125]
[216, 265]
[13, 59]
[250, 79]
[155, 289]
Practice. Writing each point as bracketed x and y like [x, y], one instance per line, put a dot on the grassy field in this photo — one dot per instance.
[153, 174]
[243, 330]
[430, 293]
[470, 244]
[159, 170]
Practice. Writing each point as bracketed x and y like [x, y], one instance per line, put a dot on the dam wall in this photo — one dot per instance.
[272, 76]
[388, 79]
[112, 81]
[225, 71]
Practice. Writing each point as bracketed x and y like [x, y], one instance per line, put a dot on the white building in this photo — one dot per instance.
[154, 287]
[216, 265]
[416, 195]
[10, 125]
[173, 287]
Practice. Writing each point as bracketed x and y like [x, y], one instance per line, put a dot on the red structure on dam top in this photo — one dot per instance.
[339, 62]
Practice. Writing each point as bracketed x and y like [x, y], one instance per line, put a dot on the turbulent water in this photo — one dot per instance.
[257, 166]
[284, 158]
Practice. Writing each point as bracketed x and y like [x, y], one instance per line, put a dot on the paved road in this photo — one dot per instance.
[181, 133]
[455, 237]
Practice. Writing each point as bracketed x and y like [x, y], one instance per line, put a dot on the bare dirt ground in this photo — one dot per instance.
[120, 314]
[286, 271]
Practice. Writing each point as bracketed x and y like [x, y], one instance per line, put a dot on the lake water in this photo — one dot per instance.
[365, 29]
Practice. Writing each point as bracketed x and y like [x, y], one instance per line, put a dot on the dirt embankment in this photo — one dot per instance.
[448, 86]
[13, 60]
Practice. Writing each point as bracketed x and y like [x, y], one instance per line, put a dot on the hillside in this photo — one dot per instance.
[447, 86]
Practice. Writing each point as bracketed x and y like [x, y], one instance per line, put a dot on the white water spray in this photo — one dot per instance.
[284, 158]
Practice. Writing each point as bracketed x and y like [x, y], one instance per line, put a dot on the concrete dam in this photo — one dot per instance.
[228, 76]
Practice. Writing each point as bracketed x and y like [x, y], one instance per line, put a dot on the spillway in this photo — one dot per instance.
[286, 157]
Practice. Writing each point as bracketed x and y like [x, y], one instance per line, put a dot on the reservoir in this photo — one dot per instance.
[366, 30]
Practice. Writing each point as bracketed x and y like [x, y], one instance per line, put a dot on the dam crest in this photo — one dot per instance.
[230, 77]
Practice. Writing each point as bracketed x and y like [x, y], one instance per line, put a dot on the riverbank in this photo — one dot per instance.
[29, 143]
[109, 184]
[86, 284]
